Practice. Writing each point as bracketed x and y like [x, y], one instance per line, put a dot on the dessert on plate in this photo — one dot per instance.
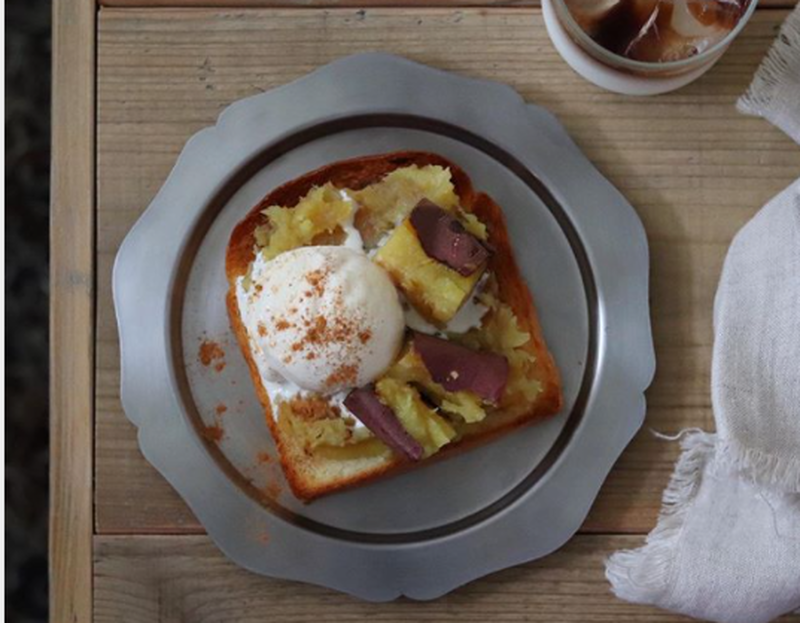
[384, 320]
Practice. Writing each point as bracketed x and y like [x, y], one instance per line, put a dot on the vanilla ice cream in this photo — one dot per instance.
[323, 318]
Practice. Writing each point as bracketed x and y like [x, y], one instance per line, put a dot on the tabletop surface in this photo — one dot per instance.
[694, 169]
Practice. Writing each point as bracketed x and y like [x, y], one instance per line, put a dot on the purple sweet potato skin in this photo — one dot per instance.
[381, 420]
[444, 239]
[458, 368]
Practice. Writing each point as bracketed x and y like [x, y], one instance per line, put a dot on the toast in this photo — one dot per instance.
[312, 474]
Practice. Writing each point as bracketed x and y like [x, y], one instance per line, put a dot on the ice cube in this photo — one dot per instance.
[687, 21]
[700, 25]
[657, 30]
[723, 14]
[648, 35]
[589, 14]
[591, 8]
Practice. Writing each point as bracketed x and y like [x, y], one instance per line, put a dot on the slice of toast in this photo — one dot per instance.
[311, 475]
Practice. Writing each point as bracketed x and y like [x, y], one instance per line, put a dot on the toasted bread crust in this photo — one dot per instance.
[356, 174]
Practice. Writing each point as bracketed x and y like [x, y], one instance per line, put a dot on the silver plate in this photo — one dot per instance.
[581, 248]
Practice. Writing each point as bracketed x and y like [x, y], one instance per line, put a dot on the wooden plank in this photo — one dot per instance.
[170, 579]
[693, 167]
[763, 4]
[250, 4]
[72, 310]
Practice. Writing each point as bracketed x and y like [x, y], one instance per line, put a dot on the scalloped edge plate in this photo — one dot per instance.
[378, 90]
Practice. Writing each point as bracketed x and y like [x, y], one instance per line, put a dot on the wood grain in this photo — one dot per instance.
[357, 3]
[72, 292]
[142, 579]
[694, 168]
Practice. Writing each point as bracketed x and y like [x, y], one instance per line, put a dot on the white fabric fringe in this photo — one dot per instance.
[725, 549]
[643, 575]
[775, 91]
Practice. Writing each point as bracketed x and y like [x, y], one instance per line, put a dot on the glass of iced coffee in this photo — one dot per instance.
[652, 38]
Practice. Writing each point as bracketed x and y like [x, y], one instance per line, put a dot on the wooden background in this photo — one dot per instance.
[694, 169]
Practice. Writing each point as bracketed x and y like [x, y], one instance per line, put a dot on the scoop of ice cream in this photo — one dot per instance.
[324, 318]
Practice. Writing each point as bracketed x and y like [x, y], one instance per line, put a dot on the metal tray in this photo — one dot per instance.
[580, 246]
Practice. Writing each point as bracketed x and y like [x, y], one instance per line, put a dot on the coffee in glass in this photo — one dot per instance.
[649, 37]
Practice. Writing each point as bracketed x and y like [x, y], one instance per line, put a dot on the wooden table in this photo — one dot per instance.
[134, 80]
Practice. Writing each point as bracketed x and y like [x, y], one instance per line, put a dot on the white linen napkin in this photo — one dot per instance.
[727, 544]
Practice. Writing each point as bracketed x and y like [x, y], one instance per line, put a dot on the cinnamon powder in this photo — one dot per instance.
[343, 375]
[273, 490]
[211, 352]
[213, 433]
[263, 458]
